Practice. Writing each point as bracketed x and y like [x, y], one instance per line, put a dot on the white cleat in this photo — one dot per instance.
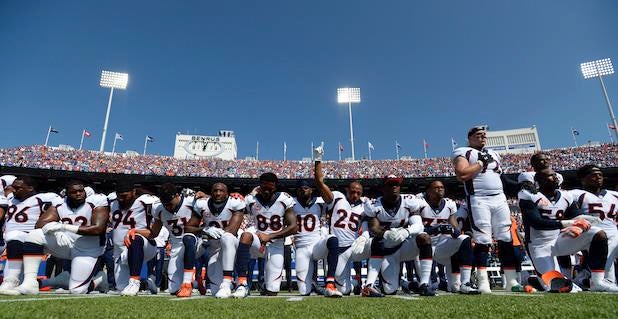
[603, 286]
[9, 287]
[332, 292]
[225, 290]
[132, 289]
[482, 281]
[103, 287]
[241, 292]
[468, 289]
[152, 286]
[29, 287]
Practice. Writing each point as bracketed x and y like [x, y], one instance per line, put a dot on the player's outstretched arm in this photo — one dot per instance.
[464, 170]
[235, 222]
[375, 227]
[50, 215]
[327, 194]
[193, 225]
[290, 227]
[98, 222]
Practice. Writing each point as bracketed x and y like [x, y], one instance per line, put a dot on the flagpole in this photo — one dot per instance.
[369, 149]
[312, 151]
[81, 143]
[257, 150]
[285, 150]
[609, 131]
[574, 139]
[397, 149]
[453, 143]
[47, 137]
[425, 147]
[114, 145]
[145, 144]
[339, 149]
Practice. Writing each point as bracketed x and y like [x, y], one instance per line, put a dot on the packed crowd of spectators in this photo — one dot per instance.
[37, 156]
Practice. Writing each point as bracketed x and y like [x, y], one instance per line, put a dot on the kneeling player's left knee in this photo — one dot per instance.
[79, 290]
[423, 239]
[600, 235]
[332, 243]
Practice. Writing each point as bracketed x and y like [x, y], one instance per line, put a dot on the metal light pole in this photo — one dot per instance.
[112, 80]
[349, 96]
[599, 68]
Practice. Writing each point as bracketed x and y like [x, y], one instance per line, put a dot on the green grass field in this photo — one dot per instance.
[583, 305]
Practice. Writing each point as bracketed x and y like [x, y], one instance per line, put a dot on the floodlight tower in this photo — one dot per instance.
[112, 80]
[349, 96]
[599, 68]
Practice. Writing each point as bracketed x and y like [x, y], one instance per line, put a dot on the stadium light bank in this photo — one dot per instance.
[598, 69]
[349, 96]
[111, 80]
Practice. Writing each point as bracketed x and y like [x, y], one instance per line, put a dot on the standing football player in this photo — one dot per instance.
[310, 245]
[75, 231]
[451, 248]
[222, 216]
[22, 214]
[555, 226]
[274, 219]
[398, 236]
[131, 216]
[479, 169]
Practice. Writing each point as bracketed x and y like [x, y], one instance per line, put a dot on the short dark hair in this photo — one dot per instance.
[269, 177]
[587, 169]
[30, 181]
[124, 186]
[535, 158]
[73, 182]
[475, 129]
[167, 192]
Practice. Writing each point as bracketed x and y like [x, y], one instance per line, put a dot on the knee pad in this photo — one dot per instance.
[36, 237]
[14, 249]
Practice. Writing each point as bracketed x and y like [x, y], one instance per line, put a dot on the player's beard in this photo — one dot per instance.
[75, 203]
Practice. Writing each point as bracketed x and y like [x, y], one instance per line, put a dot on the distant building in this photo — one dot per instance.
[515, 141]
[222, 146]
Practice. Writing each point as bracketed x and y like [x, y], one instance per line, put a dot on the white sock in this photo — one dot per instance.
[187, 276]
[373, 270]
[13, 269]
[465, 274]
[510, 277]
[425, 273]
[597, 277]
[31, 267]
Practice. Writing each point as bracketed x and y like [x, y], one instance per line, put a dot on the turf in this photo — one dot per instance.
[588, 305]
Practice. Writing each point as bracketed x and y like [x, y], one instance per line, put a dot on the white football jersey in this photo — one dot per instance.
[218, 217]
[346, 218]
[82, 216]
[400, 216]
[137, 216]
[603, 206]
[552, 210]
[268, 217]
[308, 221]
[23, 216]
[174, 222]
[487, 181]
[440, 215]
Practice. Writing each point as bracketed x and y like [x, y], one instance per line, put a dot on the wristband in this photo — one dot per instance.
[71, 228]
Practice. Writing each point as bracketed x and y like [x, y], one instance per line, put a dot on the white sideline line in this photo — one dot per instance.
[406, 297]
[56, 298]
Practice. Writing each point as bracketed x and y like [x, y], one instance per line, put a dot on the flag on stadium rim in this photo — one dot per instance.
[611, 127]
[425, 144]
[118, 137]
[370, 146]
[575, 132]
[86, 133]
[149, 138]
[340, 147]
[453, 143]
[397, 145]
[53, 130]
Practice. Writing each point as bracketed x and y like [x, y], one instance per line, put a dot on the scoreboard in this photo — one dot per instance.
[222, 146]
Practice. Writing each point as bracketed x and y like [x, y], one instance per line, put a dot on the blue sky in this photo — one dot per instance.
[269, 70]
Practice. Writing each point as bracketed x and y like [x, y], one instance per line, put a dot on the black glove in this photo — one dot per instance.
[529, 186]
[446, 229]
[486, 158]
[432, 230]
